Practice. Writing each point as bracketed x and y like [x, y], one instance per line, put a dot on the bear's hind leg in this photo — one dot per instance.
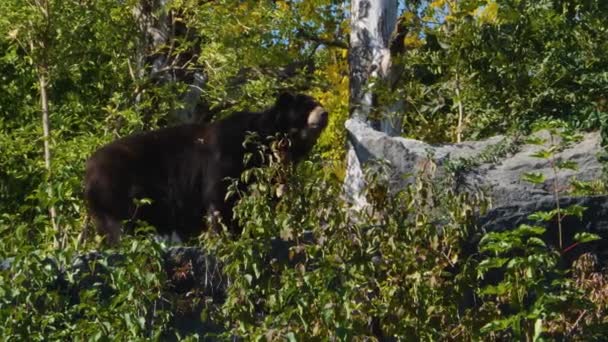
[109, 228]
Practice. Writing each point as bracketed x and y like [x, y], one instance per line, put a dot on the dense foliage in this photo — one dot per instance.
[508, 63]
[467, 69]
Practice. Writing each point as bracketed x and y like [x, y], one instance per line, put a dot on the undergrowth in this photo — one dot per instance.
[307, 267]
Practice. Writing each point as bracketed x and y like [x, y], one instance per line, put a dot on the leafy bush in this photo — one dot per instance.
[508, 63]
[390, 271]
[44, 296]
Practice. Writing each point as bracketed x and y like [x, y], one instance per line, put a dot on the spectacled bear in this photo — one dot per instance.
[183, 169]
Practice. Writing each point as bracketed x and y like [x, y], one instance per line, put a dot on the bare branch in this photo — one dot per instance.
[328, 42]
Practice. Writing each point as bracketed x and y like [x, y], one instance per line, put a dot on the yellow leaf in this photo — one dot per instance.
[282, 5]
[437, 3]
[13, 34]
[412, 41]
[488, 14]
[408, 17]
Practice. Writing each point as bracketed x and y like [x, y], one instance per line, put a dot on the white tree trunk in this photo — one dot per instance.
[372, 26]
[46, 132]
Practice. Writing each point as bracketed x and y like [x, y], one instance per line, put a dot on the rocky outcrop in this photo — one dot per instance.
[495, 165]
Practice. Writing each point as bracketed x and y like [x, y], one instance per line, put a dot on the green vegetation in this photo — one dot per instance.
[469, 69]
[509, 63]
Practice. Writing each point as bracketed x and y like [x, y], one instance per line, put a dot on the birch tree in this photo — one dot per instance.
[35, 36]
[372, 26]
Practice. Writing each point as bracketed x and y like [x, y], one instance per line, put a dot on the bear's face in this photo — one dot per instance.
[302, 118]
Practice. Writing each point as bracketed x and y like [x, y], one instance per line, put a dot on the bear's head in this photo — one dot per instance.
[302, 118]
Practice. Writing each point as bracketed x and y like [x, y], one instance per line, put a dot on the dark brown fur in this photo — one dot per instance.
[182, 169]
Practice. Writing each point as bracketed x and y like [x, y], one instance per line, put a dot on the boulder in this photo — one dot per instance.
[495, 165]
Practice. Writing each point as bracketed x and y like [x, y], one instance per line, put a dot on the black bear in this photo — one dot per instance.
[183, 169]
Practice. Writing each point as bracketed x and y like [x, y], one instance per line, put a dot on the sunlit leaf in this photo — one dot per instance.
[584, 237]
[534, 177]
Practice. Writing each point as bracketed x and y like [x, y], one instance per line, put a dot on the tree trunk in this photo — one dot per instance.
[44, 104]
[372, 25]
[459, 128]
[155, 57]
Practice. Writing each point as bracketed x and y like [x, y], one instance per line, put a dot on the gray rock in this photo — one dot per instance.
[496, 167]
[499, 175]
[505, 178]
[594, 220]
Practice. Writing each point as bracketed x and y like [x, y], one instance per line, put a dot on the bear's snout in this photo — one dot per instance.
[318, 118]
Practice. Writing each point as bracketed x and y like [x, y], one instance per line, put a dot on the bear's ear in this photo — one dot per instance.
[285, 99]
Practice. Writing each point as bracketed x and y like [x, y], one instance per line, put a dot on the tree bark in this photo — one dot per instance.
[44, 104]
[459, 128]
[372, 25]
[155, 56]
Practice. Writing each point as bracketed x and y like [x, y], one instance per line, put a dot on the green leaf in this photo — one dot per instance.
[491, 263]
[542, 216]
[525, 230]
[542, 154]
[515, 263]
[498, 325]
[535, 140]
[586, 237]
[574, 210]
[567, 165]
[291, 337]
[142, 201]
[570, 138]
[534, 241]
[534, 177]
